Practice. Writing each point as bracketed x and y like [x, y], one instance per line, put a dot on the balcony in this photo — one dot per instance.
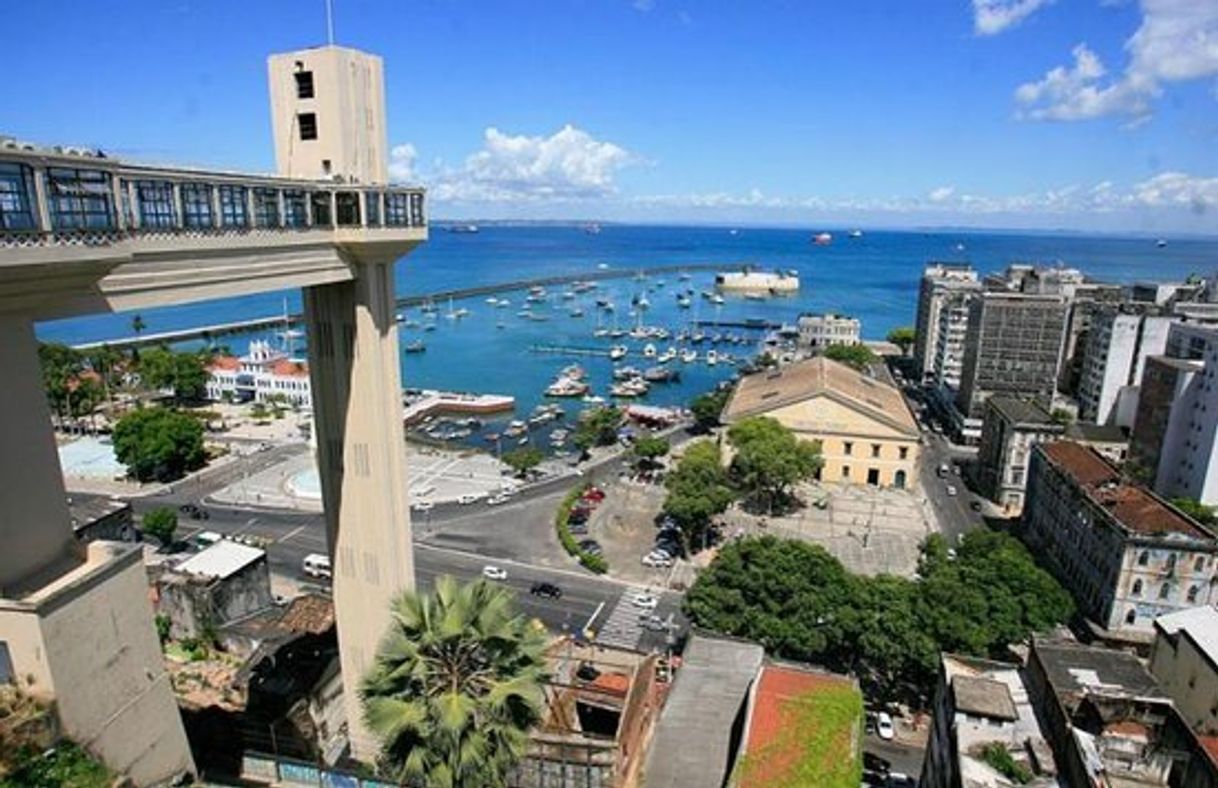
[116, 235]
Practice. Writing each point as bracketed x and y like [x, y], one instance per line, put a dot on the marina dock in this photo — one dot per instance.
[569, 351]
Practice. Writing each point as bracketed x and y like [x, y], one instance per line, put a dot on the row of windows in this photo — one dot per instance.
[82, 199]
[1165, 591]
[848, 450]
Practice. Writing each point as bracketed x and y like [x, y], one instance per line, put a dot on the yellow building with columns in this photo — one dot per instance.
[867, 434]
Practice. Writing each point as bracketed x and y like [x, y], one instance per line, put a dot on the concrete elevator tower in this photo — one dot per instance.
[328, 114]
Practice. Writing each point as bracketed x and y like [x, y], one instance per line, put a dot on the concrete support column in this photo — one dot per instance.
[361, 453]
[35, 528]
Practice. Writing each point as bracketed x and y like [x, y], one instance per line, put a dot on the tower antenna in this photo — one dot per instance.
[330, 21]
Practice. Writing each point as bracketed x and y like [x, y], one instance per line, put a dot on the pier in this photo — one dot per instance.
[569, 351]
[288, 320]
[757, 324]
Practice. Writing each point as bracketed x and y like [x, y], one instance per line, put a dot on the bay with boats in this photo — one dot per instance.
[555, 317]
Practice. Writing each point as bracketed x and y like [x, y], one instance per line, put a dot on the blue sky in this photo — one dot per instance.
[1081, 114]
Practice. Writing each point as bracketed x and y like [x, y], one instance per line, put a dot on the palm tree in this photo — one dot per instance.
[456, 686]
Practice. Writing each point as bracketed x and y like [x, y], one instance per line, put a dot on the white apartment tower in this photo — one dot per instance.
[328, 114]
[1117, 347]
[941, 282]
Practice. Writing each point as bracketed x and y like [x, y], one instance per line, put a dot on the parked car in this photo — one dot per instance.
[591, 547]
[975, 505]
[652, 622]
[594, 494]
[316, 565]
[422, 506]
[951, 489]
[497, 499]
[900, 780]
[645, 601]
[656, 562]
[494, 573]
[883, 726]
[469, 498]
[547, 590]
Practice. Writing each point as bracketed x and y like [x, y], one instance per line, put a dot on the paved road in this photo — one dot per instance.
[952, 511]
[897, 757]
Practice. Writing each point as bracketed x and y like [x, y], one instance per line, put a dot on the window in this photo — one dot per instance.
[1165, 591]
[903, 452]
[847, 448]
[325, 166]
[1131, 617]
[295, 213]
[372, 208]
[321, 209]
[898, 480]
[1192, 593]
[304, 84]
[16, 204]
[1143, 558]
[875, 450]
[232, 206]
[1199, 564]
[347, 206]
[79, 199]
[196, 205]
[307, 121]
[156, 204]
[1137, 588]
[266, 208]
[845, 471]
[873, 477]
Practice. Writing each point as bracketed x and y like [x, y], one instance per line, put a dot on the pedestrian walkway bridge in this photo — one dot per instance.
[81, 232]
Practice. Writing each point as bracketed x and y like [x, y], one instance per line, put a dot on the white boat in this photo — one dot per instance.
[684, 301]
[1161, 243]
[822, 239]
[716, 299]
[626, 373]
[667, 355]
[649, 350]
[754, 296]
[629, 388]
[856, 233]
[712, 358]
[503, 302]
[689, 356]
[576, 312]
[574, 371]
[568, 295]
[618, 352]
[601, 332]
[492, 301]
[592, 399]
[603, 266]
[567, 387]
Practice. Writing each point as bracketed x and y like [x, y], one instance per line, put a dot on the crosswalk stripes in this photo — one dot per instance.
[622, 627]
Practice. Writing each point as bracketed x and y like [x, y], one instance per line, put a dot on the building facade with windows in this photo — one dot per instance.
[1118, 345]
[1010, 429]
[1184, 659]
[941, 283]
[1125, 554]
[264, 374]
[1188, 452]
[865, 429]
[820, 331]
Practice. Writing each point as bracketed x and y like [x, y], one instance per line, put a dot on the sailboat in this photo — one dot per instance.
[455, 314]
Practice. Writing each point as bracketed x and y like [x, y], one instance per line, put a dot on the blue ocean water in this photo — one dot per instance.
[874, 278]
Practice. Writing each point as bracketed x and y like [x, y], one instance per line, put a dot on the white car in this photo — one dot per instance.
[494, 573]
[951, 489]
[423, 506]
[469, 498]
[656, 562]
[883, 726]
[645, 601]
[498, 499]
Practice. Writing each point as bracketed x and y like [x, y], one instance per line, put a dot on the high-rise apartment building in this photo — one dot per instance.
[1188, 449]
[948, 360]
[1009, 430]
[1013, 347]
[1118, 344]
[940, 281]
[328, 114]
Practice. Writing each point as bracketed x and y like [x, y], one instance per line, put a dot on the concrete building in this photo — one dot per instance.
[1188, 451]
[97, 517]
[1109, 723]
[819, 331]
[982, 711]
[1118, 345]
[85, 233]
[1009, 430]
[865, 429]
[1111, 441]
[939, 282]
[1014, 347]
[1165, 381]
[1184, 659]
[948, 362]
[760, 282]
[263, 374]
[1125, 554]
[223, 583]
[328, 114]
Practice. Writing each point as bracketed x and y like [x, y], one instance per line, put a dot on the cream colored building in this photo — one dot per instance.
[328, 114]
[1184, 659]
[867, 433]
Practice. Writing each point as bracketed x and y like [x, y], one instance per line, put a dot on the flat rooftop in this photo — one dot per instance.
[1200, 624]
[1075, 670]
[1022, 411]
[87, 509]
[223, 559]
[1134, 507]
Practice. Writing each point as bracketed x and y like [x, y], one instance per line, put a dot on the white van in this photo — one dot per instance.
[317, 565]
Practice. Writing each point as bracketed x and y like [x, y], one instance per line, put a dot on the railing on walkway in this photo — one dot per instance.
[68, 196]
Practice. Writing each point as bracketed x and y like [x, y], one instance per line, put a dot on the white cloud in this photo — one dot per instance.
[1178, 189]
[991, 17]
[401, 163]
[941, 194]
[1176, 41]
[643, 5]
[567, 165]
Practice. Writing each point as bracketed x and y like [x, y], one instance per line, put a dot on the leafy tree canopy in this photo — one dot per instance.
[903, 337]
[708, 407]
[523, 460]
[857, 356]
[1195, 509]
[597, 427]
[649, 449]
[769, 459]
[161, 523]
[698, 489]
[455, 687]
[183, 373]
[159, 443]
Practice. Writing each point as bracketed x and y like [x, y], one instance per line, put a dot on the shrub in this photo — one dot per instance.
[593, 563]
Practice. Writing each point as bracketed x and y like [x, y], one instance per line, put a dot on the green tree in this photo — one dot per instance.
[769, 459]
[857, 356]
[597, 427]
[183, 373]
[708, 407]
[60, 366]
[648, 449]
[158, 443]
[1195, 509]
[903, 337]
[523, 460]
[162, 523]
[105, 361]
[698, 489]
[456, 686]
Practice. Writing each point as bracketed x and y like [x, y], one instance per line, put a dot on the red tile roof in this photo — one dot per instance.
[287, 368]
[230, 363]
[1133, 506]
[612, 683]
[1210, 745]
[774, 748]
